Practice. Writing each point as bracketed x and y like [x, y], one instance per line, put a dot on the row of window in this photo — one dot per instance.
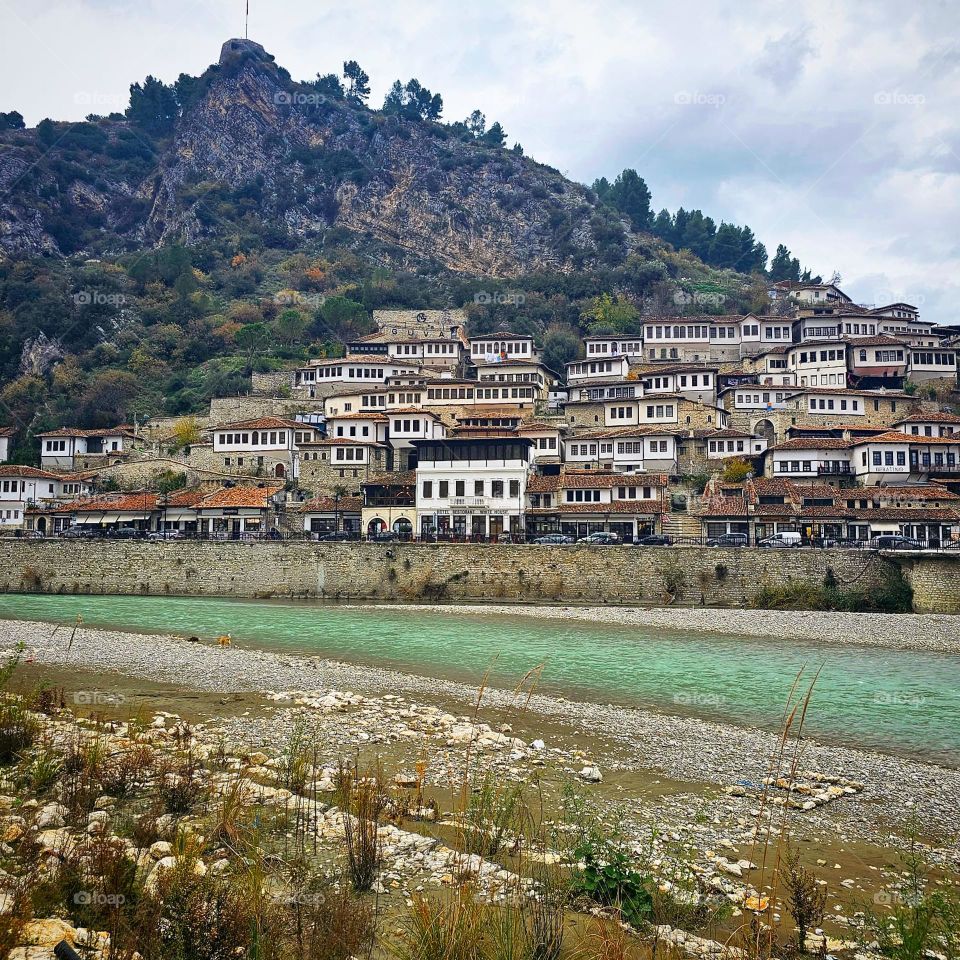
[460, 488]
[500, 346]
[256, 438]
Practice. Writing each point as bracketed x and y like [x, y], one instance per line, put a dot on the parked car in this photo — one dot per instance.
[126, 533]
[655, 540]
[165, 535]
[786, 538]
[337, 536]
[896, 541]
[385, 536]
[729, 540]
[554, 539]
[75, 533]
[600, 539]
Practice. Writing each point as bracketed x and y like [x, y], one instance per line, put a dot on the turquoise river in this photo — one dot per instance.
[896, 701]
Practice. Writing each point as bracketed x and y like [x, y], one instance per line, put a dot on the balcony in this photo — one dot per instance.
[469, 502]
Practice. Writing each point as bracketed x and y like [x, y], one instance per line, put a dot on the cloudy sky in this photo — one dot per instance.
[828, 126]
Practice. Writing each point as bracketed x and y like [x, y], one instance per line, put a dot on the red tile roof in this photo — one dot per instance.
[329, 505]
[263, 423]
[256, 497]
[15, 470]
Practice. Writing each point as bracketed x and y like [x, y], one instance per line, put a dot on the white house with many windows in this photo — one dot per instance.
[624, 450]
[262, 445]
[599, 347]
[354, 369]
[23, 487]
[612, 368]
[6, 436]
[473, 484]
[502, 345]
[818, 364]
[60, 449]
[929, 424]
[580, 502]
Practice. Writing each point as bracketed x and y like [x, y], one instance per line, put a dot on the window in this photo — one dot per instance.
[496, 489]
[460, 488]
[478, 488]
[427, 489]
[514, 488]
[443, 489]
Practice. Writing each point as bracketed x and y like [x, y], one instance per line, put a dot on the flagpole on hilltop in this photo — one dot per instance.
[246, 23]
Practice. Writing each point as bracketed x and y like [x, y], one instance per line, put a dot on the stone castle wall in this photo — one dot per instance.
[461, 572]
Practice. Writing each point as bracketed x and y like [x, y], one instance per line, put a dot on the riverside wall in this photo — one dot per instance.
[684, 576]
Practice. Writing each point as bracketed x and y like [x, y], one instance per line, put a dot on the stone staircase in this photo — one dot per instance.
[681, 525]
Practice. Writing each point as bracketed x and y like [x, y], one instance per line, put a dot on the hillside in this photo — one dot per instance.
[153, 260]
[253, 140]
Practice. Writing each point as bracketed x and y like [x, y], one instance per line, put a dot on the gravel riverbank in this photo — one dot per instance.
[937, 632]
[683, 749]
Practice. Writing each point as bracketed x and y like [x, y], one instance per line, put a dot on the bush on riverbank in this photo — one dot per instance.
[893, 596]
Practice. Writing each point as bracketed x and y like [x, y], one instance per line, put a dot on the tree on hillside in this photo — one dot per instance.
[340, 318]
[186, 431]
[561, 345]
[153, 106]
[253, 339]
[413, 101]
[476, 123]
[358, 82]
[495, 136]
[290, 326]
[11, 121]
[329, 85]
[618, 315]
[108, 398]
[783, 266]
[630, 196]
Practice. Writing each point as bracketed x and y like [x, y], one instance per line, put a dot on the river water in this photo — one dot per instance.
[901, 701]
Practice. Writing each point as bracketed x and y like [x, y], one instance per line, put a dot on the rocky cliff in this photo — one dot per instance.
[256, 146]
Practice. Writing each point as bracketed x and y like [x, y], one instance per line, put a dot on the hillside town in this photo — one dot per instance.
[825, 422]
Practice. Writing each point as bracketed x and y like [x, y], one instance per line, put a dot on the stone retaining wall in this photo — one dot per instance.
[692, 576]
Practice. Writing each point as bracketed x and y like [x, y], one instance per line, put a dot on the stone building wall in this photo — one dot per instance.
[454, 572]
